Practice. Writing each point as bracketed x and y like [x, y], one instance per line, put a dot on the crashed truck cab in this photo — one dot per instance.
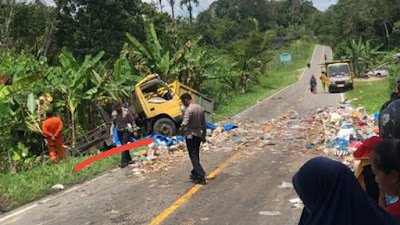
[159, 107]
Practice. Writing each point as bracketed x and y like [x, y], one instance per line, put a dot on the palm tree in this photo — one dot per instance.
[172, 4]
[188, 3]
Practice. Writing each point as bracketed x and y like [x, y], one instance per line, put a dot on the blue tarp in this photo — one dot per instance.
[226, 127]
[341, 143]
[158, 138]
[376, 115]
[116, 139]
[169, 141]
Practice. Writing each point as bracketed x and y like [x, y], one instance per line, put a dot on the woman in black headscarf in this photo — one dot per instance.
[332, 196]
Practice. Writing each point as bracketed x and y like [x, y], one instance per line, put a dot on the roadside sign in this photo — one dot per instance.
[285, 57]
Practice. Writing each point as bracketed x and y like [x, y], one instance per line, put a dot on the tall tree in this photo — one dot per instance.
[53, 24]
[189, 6]
[28, 25]
[172, 4]
[7, 16]
[91, 26]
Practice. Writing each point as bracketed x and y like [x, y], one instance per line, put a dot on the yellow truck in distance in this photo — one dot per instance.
[159, 107]
[340, 74]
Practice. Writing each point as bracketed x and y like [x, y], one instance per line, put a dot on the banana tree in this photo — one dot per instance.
[109, 85]
[184, 63]
[251, 56]
[220, 80]
[362, 55]
[8, 121]
[10, 116]
[124, 77]
[151, 57]
[70, 80]
[193, 64]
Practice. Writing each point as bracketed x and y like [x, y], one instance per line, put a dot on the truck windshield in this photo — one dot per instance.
[156, 88]
[338, 70]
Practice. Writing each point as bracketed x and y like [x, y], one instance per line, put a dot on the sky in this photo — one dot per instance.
[179, 11]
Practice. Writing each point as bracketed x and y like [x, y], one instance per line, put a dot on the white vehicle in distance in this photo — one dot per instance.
[380, 71]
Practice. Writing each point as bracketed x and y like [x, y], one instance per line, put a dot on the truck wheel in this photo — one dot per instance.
[164, 126]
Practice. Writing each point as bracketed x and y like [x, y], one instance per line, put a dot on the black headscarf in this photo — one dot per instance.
[333, 196]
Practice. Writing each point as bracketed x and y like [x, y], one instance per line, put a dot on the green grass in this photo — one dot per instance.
[373, 94]
[276, 79]
[23, 187]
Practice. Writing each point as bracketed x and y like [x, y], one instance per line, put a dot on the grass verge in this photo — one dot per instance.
[276, 79]
[372, 93]
[23, 187]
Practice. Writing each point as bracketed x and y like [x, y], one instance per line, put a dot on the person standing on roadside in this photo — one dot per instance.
[52, 128]
[194, 128]
[125, 125]
[313, 84]
[325, 81]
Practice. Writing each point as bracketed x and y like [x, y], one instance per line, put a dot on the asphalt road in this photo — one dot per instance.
[247, 186]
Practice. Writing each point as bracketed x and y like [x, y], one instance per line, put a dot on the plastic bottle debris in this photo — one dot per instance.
[270, 213]
[295, 200]
[285, 185]
[296, 203]
[58, 187]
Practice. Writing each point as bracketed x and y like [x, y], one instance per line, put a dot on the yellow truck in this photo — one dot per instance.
[340, 74]
[159, 107]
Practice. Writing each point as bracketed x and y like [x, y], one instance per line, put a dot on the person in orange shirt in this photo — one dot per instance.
[52, 128]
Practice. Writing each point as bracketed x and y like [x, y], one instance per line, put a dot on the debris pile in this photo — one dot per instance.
[334, 132]
[339, 131]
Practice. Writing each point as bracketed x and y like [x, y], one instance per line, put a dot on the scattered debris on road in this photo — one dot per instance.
[296, 203]
[270, 213]
[285, 185]
[335, 132]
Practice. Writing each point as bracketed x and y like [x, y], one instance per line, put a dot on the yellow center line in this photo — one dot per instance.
[162, 216]
[300, 99]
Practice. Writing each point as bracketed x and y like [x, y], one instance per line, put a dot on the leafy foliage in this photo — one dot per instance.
[362, 55]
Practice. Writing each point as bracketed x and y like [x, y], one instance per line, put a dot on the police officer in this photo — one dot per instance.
[125, 126]
[194, 128]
